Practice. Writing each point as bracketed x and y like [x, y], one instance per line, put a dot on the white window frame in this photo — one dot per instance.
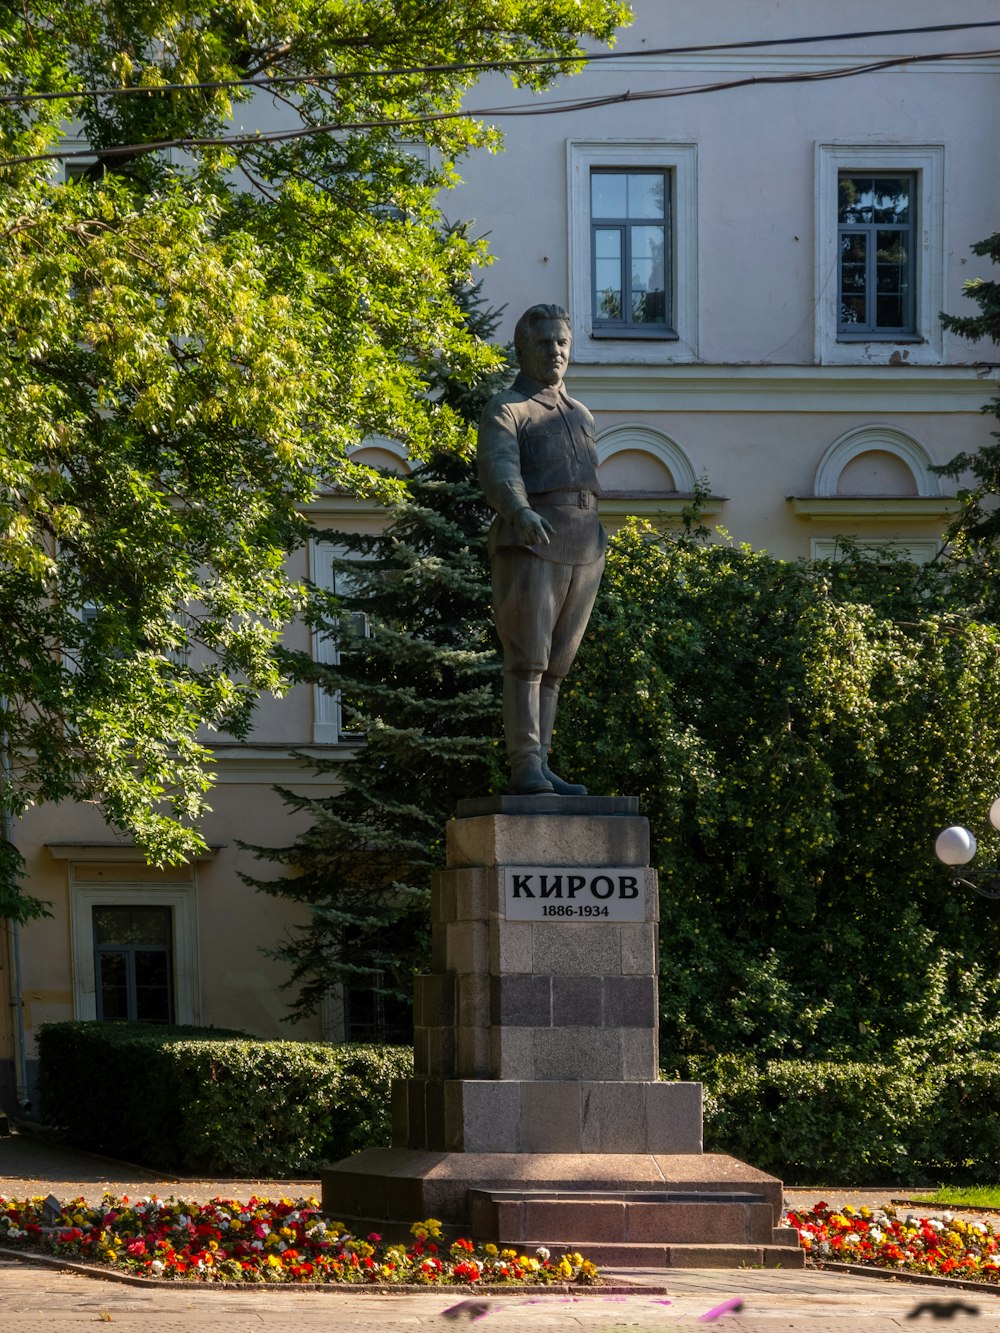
[680, 162]
[925, 162]
[328, 723]
[918, 550]
[181, 898]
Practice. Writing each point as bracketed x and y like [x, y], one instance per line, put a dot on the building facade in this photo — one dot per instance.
[755, 247]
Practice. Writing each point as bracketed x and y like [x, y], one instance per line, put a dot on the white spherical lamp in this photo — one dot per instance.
[955, 846]
[995, 813]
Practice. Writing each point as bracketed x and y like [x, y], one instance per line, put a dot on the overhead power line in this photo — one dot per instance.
[343, 76]
[263, 138]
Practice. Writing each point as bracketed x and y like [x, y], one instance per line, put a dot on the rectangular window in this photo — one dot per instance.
[133, 963]
[332, 721]
[630, 235]
[876, 232]
[633, 251]
[880, 253]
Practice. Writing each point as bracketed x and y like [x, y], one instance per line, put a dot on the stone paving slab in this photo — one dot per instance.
[39, 1301]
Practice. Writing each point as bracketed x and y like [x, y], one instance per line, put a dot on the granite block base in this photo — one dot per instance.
[622, 1209]
[528, 1116]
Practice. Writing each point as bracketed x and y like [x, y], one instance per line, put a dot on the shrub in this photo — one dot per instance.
[854, 1123]
[193, 1100]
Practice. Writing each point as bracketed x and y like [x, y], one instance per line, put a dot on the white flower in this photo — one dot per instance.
[543, 1253]
[852, 1239]
[948, 1217]
[823, 1247]
[935, 1225]
[876, 1236]
[156, 1267]
[977, 1226]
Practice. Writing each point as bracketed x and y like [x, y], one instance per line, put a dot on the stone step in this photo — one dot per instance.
[606, 1254]
[614, 1217]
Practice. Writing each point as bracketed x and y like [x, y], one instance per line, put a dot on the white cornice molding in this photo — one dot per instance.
[115, 852]
[902, 508]
[277, 765]
[750, 388]
[343, 504]
[620, 507]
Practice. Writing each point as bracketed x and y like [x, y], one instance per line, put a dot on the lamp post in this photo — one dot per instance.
[956, 846]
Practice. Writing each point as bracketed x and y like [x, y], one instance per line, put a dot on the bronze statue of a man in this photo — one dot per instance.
[538, 469]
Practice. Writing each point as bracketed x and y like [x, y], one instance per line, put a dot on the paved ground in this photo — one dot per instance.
[48, 1300]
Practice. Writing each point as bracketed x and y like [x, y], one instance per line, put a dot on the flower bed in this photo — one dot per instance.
[264, 1241]
[943, 1246]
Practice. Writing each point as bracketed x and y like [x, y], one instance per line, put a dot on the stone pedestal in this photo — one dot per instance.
[535, 1115]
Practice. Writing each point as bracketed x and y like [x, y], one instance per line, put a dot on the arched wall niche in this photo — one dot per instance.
[382, 453]
[876, 461]
[640, 459]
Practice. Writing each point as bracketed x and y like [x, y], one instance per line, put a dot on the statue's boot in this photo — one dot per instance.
[520, 721]
[548, 699]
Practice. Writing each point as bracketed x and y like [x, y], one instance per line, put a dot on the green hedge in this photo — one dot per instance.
[206, 1100]
[852, 1123]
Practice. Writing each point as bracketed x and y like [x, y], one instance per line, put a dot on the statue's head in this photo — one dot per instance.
[542, 341]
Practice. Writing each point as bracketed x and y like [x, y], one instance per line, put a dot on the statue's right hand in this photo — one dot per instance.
[531, 528]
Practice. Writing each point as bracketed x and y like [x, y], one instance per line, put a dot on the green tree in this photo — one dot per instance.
[797, 734]
[418, 678]
[194, 340]
[972, 552]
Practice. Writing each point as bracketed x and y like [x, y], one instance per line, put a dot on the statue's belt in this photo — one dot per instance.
[582, 499]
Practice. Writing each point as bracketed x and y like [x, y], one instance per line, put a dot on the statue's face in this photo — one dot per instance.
[544, 354]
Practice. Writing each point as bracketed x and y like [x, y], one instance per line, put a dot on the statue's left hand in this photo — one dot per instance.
[531, 528]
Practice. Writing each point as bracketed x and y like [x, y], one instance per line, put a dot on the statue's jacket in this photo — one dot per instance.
[537, 449]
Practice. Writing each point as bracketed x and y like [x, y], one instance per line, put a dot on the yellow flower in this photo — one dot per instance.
[491, 1250]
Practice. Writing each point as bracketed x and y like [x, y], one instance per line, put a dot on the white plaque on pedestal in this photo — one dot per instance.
[574, 893]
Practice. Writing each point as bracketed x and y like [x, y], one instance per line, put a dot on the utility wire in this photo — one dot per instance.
[275, 81]
[263, 138]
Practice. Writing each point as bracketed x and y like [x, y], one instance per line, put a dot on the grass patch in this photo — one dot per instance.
[966, 1196]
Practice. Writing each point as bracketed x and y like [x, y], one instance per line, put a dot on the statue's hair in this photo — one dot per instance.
[532, 317]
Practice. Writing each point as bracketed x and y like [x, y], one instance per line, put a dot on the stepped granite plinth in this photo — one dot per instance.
[535, 1114]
